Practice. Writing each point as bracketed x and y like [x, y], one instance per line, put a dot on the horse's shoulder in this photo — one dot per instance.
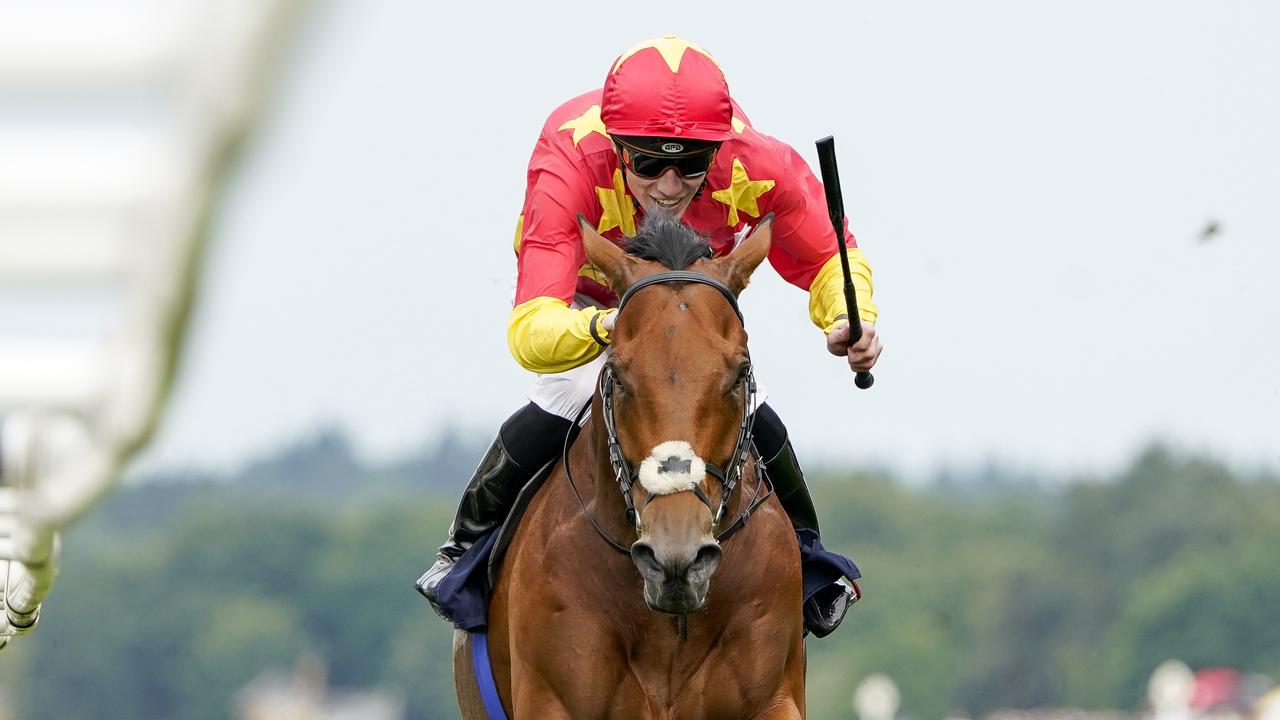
[523, 511]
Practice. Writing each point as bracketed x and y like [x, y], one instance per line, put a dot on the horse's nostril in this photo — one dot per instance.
[646, 561]
[705, 562]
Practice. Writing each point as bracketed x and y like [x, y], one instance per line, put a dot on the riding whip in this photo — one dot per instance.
[835, 208]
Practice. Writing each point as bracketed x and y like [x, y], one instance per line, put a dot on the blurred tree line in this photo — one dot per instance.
[981, 593]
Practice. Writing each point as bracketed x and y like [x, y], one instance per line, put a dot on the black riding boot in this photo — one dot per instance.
[527, 440]
[824, 611]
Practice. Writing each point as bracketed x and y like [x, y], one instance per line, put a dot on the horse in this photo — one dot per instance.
[605, 605]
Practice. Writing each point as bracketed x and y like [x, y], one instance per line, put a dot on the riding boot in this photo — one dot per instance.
[825, 610]
[788, 482]
[527, 441]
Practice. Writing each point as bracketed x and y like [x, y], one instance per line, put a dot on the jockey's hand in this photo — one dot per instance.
[608, 321]
[863, 354]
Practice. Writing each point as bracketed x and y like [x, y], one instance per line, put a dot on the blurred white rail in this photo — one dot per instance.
[119, 122]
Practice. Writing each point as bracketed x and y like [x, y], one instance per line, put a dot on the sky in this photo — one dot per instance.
[1030, 182]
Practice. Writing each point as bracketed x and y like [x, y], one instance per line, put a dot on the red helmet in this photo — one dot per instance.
[667, 87]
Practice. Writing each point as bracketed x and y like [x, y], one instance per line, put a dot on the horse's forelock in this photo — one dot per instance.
[666, 240]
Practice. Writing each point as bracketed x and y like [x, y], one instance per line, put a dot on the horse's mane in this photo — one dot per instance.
[665, 239]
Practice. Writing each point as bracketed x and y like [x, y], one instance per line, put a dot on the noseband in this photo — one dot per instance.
[626, 475]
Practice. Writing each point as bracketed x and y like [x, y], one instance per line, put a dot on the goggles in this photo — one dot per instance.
[649, 165]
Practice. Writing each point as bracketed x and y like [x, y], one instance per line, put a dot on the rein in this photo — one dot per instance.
[625, 475]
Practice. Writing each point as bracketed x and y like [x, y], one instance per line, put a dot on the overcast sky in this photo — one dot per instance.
[1029, 181]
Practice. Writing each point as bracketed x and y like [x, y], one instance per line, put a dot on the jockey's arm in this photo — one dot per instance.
[826, 292]
[546, 335]
[806, 254]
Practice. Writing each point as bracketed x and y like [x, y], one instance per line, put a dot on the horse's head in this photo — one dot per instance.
[675, 396]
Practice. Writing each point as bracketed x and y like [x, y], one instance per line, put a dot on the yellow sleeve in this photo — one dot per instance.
[547, 336]
[826, 293]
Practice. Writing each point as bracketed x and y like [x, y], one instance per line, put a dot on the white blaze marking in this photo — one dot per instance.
[663, 472]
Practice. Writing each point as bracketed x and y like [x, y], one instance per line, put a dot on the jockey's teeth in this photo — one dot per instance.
[667, 203]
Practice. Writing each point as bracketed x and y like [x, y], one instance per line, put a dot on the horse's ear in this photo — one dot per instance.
[616, 264]
[745, 258]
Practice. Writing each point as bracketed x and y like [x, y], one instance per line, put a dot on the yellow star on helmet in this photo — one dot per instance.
[585, 124]
[742, 193]
[672, 50]
[619, 211]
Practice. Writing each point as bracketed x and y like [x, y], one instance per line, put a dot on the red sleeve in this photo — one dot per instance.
[550, 251]
[802, 238]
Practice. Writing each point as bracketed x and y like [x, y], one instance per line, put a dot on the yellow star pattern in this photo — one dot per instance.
[738, 125]
[619, 212]
[585, 124]
[672, 49]
[742, 193]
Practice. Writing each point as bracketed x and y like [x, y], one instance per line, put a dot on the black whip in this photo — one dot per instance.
[835, 208]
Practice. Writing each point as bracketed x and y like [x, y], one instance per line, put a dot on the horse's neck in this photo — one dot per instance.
[750, 488]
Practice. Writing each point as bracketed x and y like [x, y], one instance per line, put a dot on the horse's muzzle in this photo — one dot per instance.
[676, 580]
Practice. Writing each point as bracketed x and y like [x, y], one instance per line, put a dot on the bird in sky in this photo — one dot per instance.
[1210, 230]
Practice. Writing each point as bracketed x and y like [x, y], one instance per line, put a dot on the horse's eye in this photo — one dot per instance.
[743, 373]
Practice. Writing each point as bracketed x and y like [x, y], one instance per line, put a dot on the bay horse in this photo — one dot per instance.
[581, 630]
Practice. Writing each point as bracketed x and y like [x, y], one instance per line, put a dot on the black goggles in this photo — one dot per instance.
[648, 165]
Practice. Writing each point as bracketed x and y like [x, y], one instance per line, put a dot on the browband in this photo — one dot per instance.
[672, 276]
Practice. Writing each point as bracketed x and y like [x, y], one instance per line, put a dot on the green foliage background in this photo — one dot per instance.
[980, 593]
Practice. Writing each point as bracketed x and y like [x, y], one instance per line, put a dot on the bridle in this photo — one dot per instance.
[626, 475]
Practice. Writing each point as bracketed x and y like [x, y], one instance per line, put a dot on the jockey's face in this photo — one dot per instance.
[670, 191]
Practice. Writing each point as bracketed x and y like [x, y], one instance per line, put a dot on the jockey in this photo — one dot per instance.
[662, 135]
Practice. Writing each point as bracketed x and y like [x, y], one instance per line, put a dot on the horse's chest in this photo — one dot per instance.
[701, 681]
